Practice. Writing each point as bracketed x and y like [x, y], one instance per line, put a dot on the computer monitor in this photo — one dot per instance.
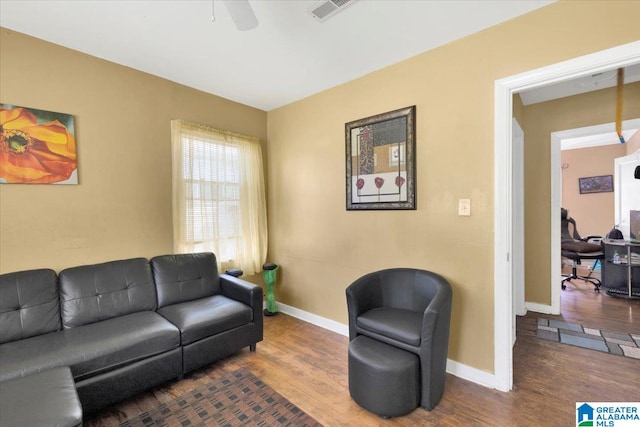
[634, 224]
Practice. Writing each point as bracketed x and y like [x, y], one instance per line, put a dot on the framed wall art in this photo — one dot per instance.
[36, 146]
[596, 184]
[380, 161]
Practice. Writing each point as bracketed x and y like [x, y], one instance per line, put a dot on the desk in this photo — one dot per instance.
[621, 279]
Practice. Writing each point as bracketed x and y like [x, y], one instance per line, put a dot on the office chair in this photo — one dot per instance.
[578, 248]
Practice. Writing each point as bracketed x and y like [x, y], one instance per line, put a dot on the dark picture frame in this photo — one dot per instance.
[596, 184]
[380, 161]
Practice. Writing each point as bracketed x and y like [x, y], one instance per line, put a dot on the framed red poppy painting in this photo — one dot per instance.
[380, 160]
[37, 146]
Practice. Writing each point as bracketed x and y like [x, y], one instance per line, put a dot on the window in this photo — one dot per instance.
[218, 196]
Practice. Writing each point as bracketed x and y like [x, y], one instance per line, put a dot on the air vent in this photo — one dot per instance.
[325, 9]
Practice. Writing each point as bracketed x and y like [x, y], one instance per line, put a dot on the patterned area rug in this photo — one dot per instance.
[235, 399]
[593, 339]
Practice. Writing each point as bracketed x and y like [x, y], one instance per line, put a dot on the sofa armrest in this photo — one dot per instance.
[249, 294]
[241, 290]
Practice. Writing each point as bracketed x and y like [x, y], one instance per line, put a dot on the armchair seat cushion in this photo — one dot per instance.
[206, 317]
[395, 323]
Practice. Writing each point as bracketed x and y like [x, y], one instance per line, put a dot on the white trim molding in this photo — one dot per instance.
[503, 315]
[617, 57]
[314, 319]
[466, 372]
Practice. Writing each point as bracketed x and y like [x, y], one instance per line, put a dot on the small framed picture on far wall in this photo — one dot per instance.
[596, 184]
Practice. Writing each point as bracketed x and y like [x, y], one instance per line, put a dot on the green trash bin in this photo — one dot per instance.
[269, 271]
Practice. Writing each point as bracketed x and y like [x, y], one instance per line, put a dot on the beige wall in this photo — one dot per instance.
[594, 212]
[540, 120]
[322, 248]
[122, 206]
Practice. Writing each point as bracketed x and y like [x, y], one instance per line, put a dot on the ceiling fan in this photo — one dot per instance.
[241, 14]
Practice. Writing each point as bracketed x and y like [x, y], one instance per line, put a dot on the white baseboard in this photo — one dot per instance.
[466, 372]
[314, 319]
[460, 370]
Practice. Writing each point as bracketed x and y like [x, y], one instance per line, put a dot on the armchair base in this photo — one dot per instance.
[383, 379]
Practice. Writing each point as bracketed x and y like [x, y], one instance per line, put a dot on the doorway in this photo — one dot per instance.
[504, 188]
[584, 137]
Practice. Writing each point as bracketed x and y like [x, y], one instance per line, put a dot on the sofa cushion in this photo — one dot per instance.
[28, 304]
[206, 317]
[185, 277]
[92, 293]
[91, 349]
[48, 398]
[395, 323]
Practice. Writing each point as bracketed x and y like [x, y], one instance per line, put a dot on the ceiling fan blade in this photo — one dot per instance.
[242, 14]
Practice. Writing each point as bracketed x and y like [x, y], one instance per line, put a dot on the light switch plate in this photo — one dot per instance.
[464, 207]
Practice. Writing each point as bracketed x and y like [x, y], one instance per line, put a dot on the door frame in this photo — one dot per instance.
[517, 139]
[504, 89]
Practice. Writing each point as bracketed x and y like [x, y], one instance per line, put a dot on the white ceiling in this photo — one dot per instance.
[289, 55]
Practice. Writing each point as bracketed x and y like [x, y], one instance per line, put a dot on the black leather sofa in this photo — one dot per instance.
[124, 326]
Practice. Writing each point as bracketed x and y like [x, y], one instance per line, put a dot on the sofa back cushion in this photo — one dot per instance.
[28, 304]
[92, 293]
[185, 277]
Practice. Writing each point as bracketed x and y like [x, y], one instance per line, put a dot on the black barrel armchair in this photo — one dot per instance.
[409, 309]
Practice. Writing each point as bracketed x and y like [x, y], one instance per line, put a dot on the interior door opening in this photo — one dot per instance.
[504, 312]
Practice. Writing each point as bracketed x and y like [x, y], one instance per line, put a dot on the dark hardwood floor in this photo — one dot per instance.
[580, 304]
[308, 365]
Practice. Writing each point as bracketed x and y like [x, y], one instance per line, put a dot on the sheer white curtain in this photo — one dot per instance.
[219, 200]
